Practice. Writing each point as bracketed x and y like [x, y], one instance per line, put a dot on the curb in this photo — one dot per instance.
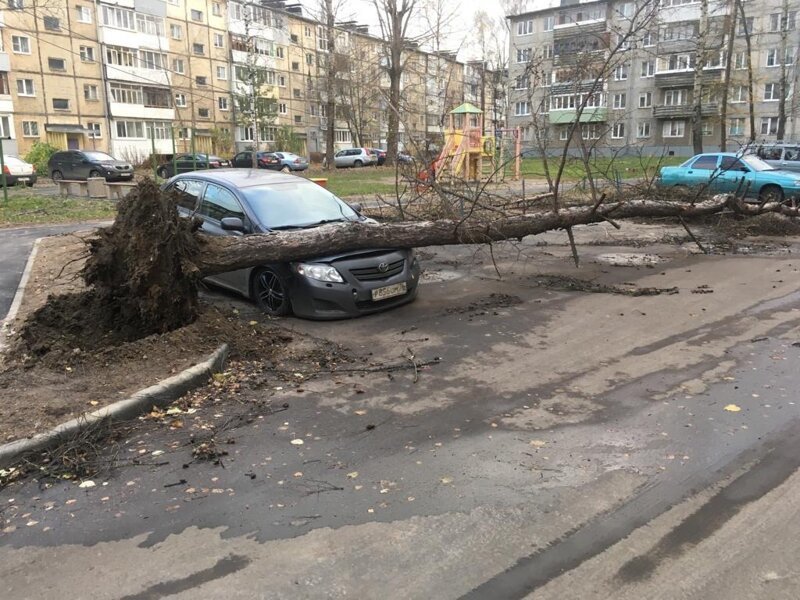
[17, 301]
[159, 394]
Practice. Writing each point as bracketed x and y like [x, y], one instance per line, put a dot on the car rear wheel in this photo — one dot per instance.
[94, 173]
[771, 193]
[270, 293]
[358, 164]
[57, 176]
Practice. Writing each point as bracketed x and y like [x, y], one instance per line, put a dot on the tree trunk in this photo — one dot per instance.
[330, 80]
[750, 95]
[228, 253]
[723, 110]
[783, 87]
[697, 90]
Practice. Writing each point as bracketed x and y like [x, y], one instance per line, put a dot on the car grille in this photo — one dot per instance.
[375, 273]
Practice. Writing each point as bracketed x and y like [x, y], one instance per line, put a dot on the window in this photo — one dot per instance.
[83, 14]
[152, 60]
[645, 99]
[295, 66]
[126, 57]
[648, 39]
[643, 129]
[281, 80]
[94, 130]
[87, 53]
[771, 92]
[203, 113]
[563, 133]
[197, 15]
[673, 129]
[57, 64]
[769, 125]
[120, 18]
[773, 57]
[187, 191]
[222, 72]
[51, 23]
[626, 10]
[60, 104]
[590, 132]
[736, 126]
[740, 60]
[783, 22]
[707, 163]
[307, 31]
[30, 129]
[522, 109]
[130, 129]
[201, 80]
[298, 119]
[547, 51]
[296, 93]
[342, 135]
[15, 4]
[219, 40]
[279, 51]
[676, 97]
[548, 23]
[309, 59]
[198, 49]
[678, 62]
[216, 9]
[90, 92]
[25, 87]
[222, 103]
[648, 68]
[282, 108]
[621, 72]
[707, 128]
[523, 55]
[746, 26]
[525, 27]
[156, 97]
[179, 66]
[149, 24]
[219, 203]
[739, 93]
[619, 101]
[618, 131]
[126, 94]
[20, 44]
[180, 100]
[522, 82]
[176, 32]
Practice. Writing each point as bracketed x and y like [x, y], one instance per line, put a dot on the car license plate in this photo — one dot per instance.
[23, 179]
[390, 291]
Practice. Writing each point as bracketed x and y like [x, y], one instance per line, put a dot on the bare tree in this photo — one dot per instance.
[746, 27]
[357, 88]
[700, 59]
[726, 78]
[784, 83]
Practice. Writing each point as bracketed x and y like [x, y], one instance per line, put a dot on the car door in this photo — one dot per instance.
[79, 165]
[791, 158]
[339, 158]
[702, 171]
[216, 204]
[243, 160]
[734, 175]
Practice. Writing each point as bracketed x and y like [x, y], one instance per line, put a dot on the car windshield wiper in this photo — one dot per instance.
[324, 221]
[287, 227]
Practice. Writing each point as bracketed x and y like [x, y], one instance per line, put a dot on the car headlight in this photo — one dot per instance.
[797, 182]
[319, 272]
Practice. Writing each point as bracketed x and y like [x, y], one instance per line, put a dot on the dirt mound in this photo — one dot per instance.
[140, 276]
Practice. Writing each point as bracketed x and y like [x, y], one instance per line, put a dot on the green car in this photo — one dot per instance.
[729, 172]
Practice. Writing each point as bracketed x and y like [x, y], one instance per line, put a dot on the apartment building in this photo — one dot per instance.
[627, 72]
[137, 77]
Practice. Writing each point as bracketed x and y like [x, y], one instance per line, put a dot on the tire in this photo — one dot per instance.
[269, 291]
[358, 164]
[285, 169]
[771, 193]
[94, 173]
[56, 175]
[162, 172]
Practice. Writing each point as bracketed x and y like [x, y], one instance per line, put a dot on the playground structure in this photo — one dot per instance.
[468, 154]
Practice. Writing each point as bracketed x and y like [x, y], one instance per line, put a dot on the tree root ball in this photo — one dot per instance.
[140, 276]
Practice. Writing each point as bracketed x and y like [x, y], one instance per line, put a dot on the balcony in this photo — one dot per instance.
[132, 39]
[140, 111]
[589, 115]
[138, 75]
[683, 111]
[685, 78]
[566, 30]
[576, 87]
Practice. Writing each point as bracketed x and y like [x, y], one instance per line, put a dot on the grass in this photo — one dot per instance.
[367, 181]
[26, 207]
[627, 167]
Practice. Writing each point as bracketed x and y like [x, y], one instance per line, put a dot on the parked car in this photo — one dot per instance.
[18, 171]
[82, 164]
[783, 156]
[354, 157]
[291, 161]
[265, 160]
[184, 163]
[724, 172]
[379, 154]
[404, 158]
[347, 284]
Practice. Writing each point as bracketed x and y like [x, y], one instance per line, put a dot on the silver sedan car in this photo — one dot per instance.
[354, 157]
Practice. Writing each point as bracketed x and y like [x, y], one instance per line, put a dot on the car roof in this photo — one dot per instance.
[242, 178]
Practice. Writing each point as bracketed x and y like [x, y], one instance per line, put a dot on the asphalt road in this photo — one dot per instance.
[566, 445]
[15, 247]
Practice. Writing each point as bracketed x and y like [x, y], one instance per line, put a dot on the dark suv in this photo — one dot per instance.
[82, 164]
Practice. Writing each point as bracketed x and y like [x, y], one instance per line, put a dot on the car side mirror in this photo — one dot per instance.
[232, 224]
[744, 169]
[356, 207]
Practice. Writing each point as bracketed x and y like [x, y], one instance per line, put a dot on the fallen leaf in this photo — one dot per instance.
[87, 484]
[537, 443]
[297, 442]
[157, 453]
[352, 475]
[732, 408]
[445, 480]
[253, 323]
[360, 413]
[298, 474]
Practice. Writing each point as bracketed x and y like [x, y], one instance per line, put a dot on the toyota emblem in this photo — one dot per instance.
[383, 267]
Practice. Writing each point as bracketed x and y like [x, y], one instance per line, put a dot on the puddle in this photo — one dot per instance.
[629, 259]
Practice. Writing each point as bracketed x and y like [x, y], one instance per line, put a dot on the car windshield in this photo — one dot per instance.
[13, 160]
[296, 205]
[756, 163]
[92, 155]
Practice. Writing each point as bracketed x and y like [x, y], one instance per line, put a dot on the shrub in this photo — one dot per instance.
[39, 155]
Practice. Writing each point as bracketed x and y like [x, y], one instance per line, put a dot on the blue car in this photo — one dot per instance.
[729, 172]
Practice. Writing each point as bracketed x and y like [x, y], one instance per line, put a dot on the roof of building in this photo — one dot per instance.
[466, 109]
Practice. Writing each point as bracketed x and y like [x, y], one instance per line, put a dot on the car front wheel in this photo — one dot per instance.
[57, 176]
[771, 193]
[270, 293]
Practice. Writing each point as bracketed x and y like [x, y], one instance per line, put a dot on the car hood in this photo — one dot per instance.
[780, 174]
[114, 163]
